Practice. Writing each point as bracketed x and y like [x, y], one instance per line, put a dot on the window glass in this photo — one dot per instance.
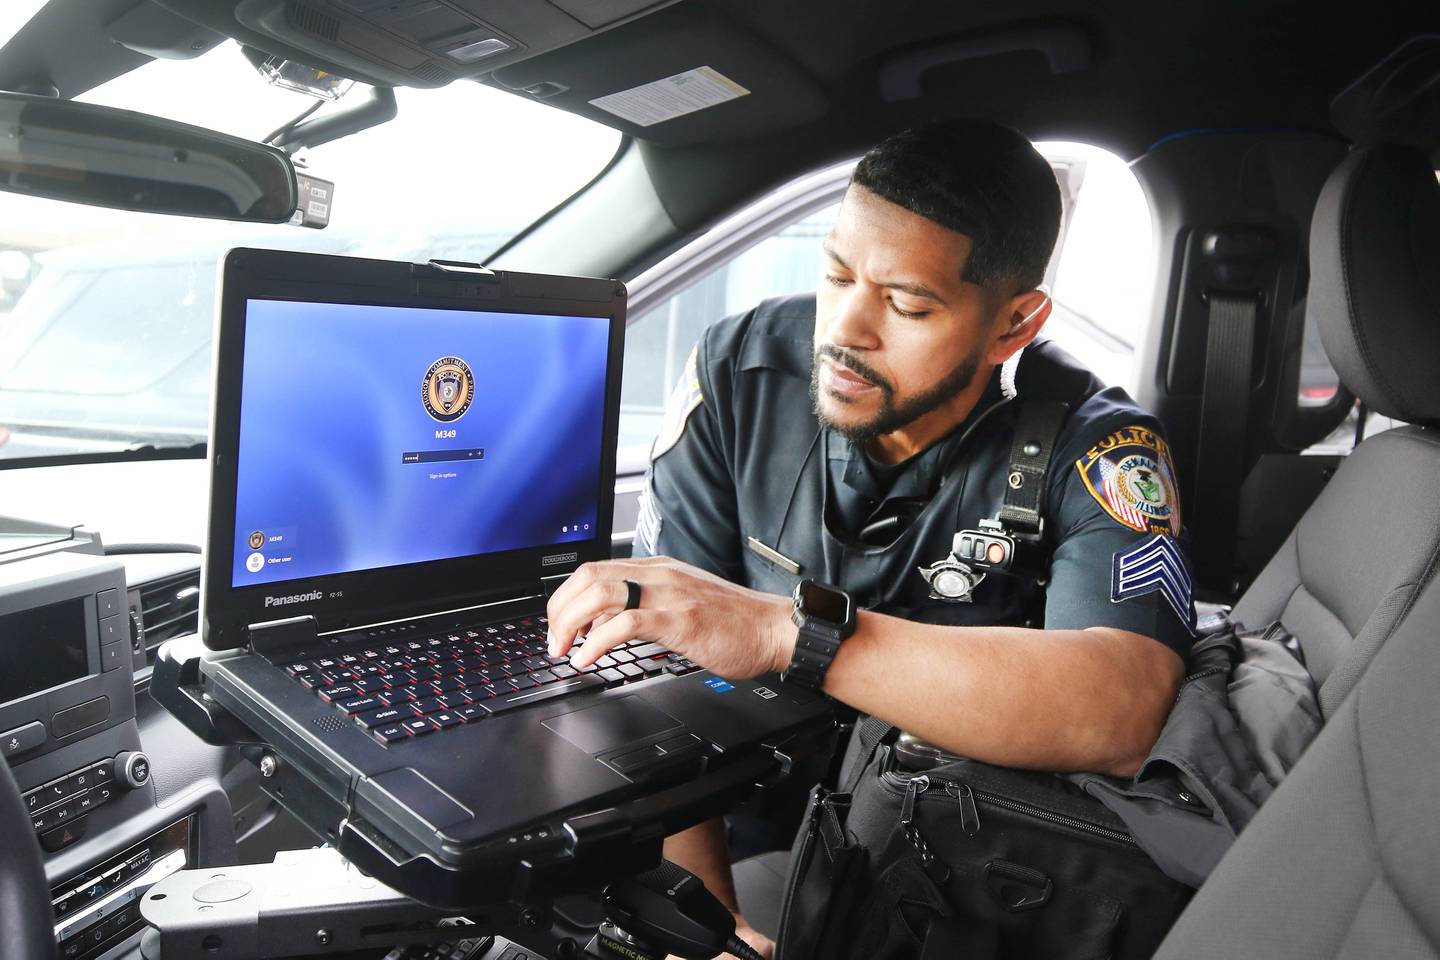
[14, 14]
[98, 303]
[658, 341]
[1100, 278]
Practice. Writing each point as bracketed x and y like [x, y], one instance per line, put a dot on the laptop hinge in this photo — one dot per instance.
[276, 636]
[548, 585]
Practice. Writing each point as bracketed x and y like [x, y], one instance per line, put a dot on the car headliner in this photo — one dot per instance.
[826, 75]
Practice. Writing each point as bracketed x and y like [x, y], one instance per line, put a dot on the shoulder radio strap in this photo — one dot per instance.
[1038, 425]
[1010, 542]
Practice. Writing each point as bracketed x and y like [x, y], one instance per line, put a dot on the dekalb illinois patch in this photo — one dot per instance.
[682, 402]
[1131, 475]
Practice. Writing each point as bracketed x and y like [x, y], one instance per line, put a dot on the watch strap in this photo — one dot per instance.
[815, 649]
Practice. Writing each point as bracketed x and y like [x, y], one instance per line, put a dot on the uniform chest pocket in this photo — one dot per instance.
[767, 575]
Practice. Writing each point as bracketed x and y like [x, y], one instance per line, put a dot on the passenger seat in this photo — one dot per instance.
[1360, 555]
[1343, 861]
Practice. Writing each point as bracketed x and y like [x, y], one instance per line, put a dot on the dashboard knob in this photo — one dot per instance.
[132, 769]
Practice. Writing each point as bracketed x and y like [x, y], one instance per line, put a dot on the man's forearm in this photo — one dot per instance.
[1043, 699]
[704, 851]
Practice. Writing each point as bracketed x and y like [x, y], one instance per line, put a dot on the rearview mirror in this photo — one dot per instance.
[84, 153]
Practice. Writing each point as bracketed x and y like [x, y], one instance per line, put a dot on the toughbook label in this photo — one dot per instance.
[555, 559]
[1130, 474]
[293, 598]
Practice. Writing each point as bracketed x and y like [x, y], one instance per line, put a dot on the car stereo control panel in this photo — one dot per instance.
[65, 646]
[58, 809]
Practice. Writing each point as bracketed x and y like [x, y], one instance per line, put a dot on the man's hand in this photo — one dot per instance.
[732, 630]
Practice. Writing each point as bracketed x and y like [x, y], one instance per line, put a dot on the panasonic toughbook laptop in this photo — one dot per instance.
[404, 458]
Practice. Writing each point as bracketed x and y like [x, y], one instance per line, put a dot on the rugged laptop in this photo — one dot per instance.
[405, 458]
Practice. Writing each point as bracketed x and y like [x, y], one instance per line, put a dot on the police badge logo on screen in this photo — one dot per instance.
[448, 389]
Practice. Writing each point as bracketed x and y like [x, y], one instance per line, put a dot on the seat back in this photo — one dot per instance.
[1360, 555]
[1343, 861]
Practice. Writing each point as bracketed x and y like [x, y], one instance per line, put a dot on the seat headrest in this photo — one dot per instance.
[1375, 280]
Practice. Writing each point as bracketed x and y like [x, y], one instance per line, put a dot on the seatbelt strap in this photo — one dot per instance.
[1023, 512]
[1224, 415]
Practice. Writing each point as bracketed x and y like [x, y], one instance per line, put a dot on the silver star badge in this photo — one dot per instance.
[951, 581]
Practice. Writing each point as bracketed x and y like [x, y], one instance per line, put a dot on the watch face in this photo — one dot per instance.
[823, 603]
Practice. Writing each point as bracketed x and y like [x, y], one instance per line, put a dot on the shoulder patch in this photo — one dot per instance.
[1131, 475]
[1154, 566]
[682, 402]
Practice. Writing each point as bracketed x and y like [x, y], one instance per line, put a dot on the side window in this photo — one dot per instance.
[1100, 278]
[658, 341]
[1102, 271]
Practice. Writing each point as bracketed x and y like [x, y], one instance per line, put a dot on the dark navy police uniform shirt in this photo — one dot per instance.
[742, 472]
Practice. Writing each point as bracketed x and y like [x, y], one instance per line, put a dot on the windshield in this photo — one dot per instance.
[105, 315]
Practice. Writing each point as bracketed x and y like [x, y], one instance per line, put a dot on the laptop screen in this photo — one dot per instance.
[376, 436]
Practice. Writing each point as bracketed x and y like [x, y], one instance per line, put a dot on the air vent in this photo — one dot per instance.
[313, 22]
[169, 608]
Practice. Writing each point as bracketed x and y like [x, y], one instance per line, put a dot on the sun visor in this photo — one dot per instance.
[679, 77]
[412, 43]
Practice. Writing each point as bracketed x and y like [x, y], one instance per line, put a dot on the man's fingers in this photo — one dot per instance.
[584, 609]
[571, 608]
[572, 587]
[601, 570]
[623, 626]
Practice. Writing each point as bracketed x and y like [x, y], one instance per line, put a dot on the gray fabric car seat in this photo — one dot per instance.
[1361, 553]
[1343, 861]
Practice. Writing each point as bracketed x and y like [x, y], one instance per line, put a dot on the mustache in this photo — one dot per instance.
[847, 358]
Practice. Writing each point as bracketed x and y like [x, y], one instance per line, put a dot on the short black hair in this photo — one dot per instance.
[980, 179]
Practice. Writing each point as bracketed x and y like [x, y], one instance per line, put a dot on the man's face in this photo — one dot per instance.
[899, 336]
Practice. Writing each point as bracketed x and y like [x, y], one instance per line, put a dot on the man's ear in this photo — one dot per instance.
[1020, 320]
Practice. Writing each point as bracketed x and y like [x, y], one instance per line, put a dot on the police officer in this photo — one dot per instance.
[844, 439]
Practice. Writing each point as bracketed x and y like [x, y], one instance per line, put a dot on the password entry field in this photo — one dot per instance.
[442, 456]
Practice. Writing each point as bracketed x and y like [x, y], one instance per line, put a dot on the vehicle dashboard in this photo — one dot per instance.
[119, 792]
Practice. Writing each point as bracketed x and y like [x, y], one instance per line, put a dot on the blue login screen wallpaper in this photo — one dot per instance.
[373, 436]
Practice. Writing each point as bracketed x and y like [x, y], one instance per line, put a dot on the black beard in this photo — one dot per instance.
[891, 417]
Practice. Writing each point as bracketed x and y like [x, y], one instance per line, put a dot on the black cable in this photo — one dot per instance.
[285, 128]
[122, 549]
[742, 949]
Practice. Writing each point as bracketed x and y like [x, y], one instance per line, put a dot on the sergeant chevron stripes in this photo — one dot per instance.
[1154, 566]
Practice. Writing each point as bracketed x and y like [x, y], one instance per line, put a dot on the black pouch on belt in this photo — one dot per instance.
[1001, 864]
[968, 860]
[825, 863]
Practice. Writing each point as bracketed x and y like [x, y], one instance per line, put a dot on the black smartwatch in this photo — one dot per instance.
[825, 616]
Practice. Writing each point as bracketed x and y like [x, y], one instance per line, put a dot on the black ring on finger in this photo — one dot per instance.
[632, 596]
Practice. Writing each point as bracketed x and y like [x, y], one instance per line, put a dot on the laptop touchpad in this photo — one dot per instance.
[612, 724]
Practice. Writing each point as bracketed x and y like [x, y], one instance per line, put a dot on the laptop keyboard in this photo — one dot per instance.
[419, 686]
